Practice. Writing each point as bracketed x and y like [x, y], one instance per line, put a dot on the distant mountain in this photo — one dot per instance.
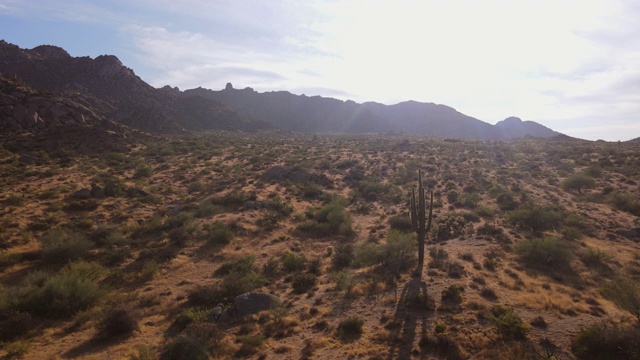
[112, 91]
[513, 127]
[117, 93]
[318, 114]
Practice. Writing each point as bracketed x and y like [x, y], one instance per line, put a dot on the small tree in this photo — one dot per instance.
[419, 219]
[578, 182]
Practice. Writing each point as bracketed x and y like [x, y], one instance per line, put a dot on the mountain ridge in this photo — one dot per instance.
[132, 101]
[316, 114]
[118, 94]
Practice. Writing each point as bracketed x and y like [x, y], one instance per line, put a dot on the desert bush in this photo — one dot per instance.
[470, 200]
[452, 294]
[625, 201]
[506, 201]
[442, 345]
[63, 245]
[242, 265]
[302, 283]
[292, 262]
[204, 296]
[534, 218]
[607, 340]
[343, 256]
[350, 328]
[15, 324]
[578, 183]
[73, 289]
[16, 349]
[449, 226]
[237, 283]
[595, 257]
[507, 322]
[625, 293]
[438, 256]
[331, 219]
[14, 200]
[119, 321]
[543, 253]
[142, 171]
[399, 253]
[367, 254]
[218, 234]
[249, 344]
[401, 223]
[455, 270]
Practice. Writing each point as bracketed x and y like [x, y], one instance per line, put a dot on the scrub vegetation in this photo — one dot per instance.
[532, 248]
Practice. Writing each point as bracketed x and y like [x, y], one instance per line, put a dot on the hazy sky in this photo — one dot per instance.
[573, 66]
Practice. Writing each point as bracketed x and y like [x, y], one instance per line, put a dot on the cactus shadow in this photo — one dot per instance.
[412, 314]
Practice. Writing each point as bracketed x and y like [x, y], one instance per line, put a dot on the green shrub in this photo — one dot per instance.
[292, 262]
[343, 256]
[625, 201]
[219, 234]
[329, 220]
[63, 245]
[401, 223]
[72, 290]
[350, 328]
[119, 321]
[15, 324]
[302, 283]
[543, 253]
[595, 257]
[452, 294]
[237, 283]
[625, 292]
[399, 253]
[249, 344]
[242, 265]
[17, 349]
[536, 219]
[367, 254]
[607, 340]
[507, 322]
[14, 200]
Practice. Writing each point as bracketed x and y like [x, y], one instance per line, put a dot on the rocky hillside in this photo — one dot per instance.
[317, 114]
[33, 120]
[117, 92]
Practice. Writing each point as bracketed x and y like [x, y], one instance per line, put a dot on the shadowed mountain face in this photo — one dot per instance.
[317, 114]
[117, 92]
[113, 91]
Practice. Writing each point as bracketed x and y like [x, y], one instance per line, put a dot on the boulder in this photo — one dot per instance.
[82, 194]
[28, 159]
[253, 204]
[253, 302]
[97, 192]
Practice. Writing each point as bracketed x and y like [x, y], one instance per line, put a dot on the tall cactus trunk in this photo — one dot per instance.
[420, 222]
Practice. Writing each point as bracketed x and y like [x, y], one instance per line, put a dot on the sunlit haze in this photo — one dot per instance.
[569, 65]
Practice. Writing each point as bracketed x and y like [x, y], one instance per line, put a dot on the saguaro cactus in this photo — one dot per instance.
[421, 225]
